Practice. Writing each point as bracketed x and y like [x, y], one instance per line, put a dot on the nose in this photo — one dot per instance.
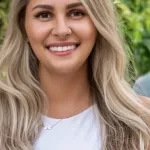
[61, 28]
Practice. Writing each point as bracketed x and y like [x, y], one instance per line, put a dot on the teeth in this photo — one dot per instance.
[62, 48]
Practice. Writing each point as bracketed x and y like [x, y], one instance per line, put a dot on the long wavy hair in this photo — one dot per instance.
[22, 101]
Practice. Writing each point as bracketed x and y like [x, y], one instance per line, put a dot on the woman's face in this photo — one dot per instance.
[60, 33]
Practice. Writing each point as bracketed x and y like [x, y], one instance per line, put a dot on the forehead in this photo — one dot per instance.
[55, 3]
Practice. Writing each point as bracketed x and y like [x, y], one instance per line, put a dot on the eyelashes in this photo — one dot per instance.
[47, 15]
[76, 13]
[43, 15]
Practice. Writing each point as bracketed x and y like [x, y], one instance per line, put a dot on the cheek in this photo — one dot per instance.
[85, 30]
[37, 32]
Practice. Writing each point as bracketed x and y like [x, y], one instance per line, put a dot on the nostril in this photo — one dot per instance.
[61, 31]
[77, 45]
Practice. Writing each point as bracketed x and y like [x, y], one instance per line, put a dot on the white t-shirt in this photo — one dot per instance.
[80, 132]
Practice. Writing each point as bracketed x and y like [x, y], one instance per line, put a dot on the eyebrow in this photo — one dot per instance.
[69, 6]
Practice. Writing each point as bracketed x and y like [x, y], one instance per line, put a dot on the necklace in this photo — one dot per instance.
[52, 126]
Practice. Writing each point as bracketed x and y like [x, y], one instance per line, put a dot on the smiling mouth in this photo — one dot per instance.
[63, 48]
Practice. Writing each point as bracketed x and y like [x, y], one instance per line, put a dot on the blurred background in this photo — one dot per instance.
[134, 20]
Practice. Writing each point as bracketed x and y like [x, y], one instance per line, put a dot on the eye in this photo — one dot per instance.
[44, 16]
[77, 14]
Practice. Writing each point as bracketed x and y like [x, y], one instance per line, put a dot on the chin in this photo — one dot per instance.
[63, 70]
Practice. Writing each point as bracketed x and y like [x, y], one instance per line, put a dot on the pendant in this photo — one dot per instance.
[47, 128]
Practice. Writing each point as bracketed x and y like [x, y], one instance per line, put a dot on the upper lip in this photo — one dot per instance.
[63, 44]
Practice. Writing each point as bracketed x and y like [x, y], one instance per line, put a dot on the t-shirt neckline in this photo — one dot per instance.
[49, 119]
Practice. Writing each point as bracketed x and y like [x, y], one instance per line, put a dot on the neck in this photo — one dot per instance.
[66, 93]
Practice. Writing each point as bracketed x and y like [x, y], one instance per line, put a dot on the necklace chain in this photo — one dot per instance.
[51, 127]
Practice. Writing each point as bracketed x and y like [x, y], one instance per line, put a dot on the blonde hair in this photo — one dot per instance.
[22, 101]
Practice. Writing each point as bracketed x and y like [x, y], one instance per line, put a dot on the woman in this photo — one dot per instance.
[64, 86]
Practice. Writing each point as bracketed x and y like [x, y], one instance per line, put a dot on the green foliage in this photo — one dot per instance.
[135, 23]
[135, 15]
[3, 17]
